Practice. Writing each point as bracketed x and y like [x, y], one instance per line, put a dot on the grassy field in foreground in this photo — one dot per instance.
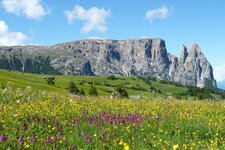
[32, 119]
[37, 81]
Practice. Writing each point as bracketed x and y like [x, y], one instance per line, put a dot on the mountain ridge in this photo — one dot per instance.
[138, 57]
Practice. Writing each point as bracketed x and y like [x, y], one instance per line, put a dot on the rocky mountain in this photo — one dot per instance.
[101, 57]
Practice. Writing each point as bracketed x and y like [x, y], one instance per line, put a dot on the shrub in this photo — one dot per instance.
[73, 88]
[82, 93]
[90, 82]
[97, 83]
[138, 88]
[155, 90]
[82, 82]
[107, 84]
[93, 91]
[50, 80]
[122, 93]
[200, 93]
[200, 96]
[111, 78]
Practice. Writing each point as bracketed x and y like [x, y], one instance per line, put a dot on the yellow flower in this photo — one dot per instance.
[95, 135]
[126, 146]
[175, 147]
[121, 143]
[27, 146]
[184, 146]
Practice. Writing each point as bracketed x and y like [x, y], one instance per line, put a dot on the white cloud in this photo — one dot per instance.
[158, 13]
[220, 73]
[94, 18]
[8, 38]
[32, 9]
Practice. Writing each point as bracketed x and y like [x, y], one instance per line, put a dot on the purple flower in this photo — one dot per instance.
[89, 120]
[65, 142]
[20, 142]
[137, 126]
[57, 123]
[85, 112]
[3, 137]
[106, 117]
[132, 119]
[103, 113]
[83, 133]
[87, 139]
[28, 119]
[99, 124]
[55, 137]
[111, 121]
[158, 117]
[73, 148]
[44, 120]
[61, 132]
[122, 120]
[48, 140]
[24, 127]
[33, 139]
[75, 121]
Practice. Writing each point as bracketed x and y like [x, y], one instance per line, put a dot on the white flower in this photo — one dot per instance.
[28, 87]
[15, 115]
[4, 90]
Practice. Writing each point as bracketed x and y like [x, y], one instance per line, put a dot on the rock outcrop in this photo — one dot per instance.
[143, 57]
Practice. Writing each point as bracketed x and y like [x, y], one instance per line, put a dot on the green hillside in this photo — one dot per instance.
[145, 88]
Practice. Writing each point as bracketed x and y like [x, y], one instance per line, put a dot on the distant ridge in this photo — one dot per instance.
[102, 57]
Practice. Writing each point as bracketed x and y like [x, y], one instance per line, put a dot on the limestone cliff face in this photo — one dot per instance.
[144, 57]
[196, 68]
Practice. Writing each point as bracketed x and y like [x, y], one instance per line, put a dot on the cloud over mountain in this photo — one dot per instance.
[158, 13]
[94, 18]
[31, 9]
[8, 38]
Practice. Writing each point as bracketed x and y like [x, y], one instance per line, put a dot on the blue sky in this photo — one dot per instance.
[48, 22]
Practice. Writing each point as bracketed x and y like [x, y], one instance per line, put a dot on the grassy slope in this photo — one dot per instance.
[37, 81]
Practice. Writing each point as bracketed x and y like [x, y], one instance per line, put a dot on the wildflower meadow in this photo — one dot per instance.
[33, 119]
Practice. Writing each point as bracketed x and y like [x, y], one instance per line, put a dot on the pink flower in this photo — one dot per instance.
[48, 140]
[3, 137]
